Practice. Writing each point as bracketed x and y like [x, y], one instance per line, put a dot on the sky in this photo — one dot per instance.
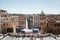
[31, 6]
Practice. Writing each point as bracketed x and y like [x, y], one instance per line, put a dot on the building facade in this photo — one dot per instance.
[46, 23]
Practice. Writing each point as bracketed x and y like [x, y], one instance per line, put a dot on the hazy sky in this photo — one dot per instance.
[31, 6]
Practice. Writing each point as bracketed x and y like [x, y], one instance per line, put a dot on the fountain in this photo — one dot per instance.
[27, 29]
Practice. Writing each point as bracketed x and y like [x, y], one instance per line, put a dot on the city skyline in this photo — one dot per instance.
[31, 6]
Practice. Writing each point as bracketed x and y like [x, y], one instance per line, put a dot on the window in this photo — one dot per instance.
[57, 24]
[9, 29]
